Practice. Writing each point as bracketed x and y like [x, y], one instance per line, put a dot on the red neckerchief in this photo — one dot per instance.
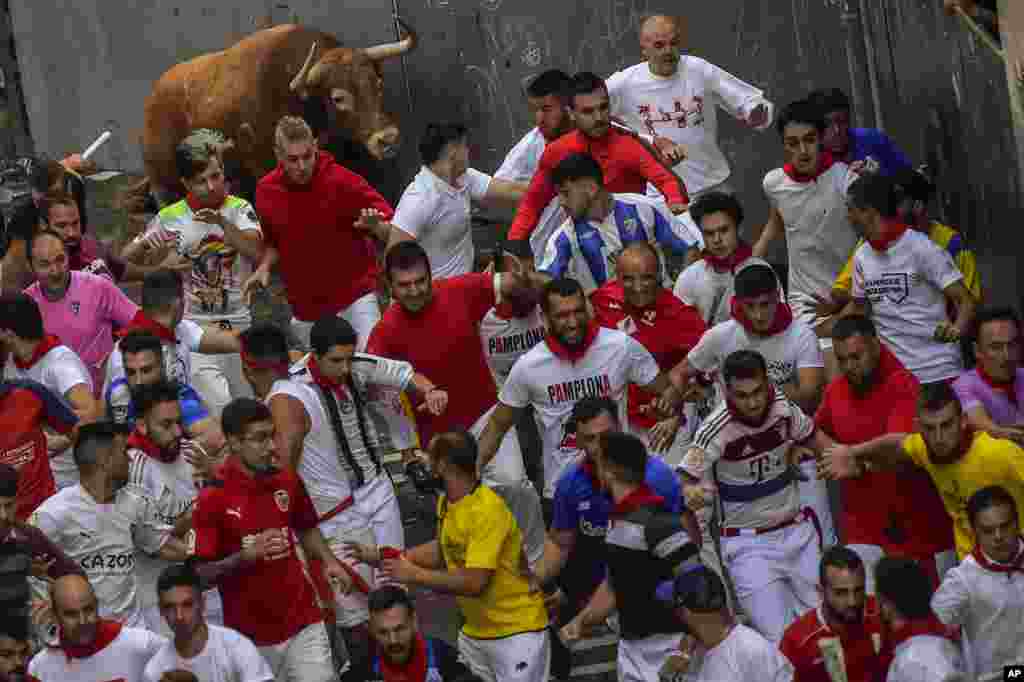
[141, 442]
[729, 263]
[415, 670]
[917, 627]
[641, 496]
[106, 632]
[892, 230]
[1009, 388]
[213, 203]
[45, 345]
[325, 382]
[142, 323]
[587, 467]
[825, 161]
[573, 355]
[1016, 564]
[234, 471]
[738, 416]
[780, 323]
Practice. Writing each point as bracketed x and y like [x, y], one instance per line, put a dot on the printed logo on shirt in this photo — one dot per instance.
[282, 500]
[891, 286]
[683, 115]
[571, 391]
[629, 226]
[780, 371]
[103, 564]
[592, 530]
[515, 343]
[76, 307]
[18, 456]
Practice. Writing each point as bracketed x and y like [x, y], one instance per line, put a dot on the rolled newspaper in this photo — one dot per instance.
[100, 141]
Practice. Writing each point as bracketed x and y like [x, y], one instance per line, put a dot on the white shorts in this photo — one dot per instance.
[517, 658]
[506, 468]
[363, 314]
[373, 519]
[306, 657]
[640, 660]
[218, 379]
[775, 575]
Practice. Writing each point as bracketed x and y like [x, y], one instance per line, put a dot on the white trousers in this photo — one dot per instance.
[306, 657]
[363, 314]
[373, 519]
[218, 379]
[640, 660]
[518, 658]
[814, 494]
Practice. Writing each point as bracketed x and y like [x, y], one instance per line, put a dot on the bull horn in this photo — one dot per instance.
[298, 83]
[389, 50]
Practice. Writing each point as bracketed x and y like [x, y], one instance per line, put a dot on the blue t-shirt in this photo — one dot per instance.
[579, 504]
[871, 144]
[121, 409]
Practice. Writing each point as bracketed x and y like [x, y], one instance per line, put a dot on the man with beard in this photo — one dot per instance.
[882, 512]
[405, 654]
[638, 305]
[840, 640]
[166, 475]
[92, 647]
[546, 98]
[59, 212]
[220, 235]
[41, 357]
[578, 358]
[15, 648]
[213, 653]
[992, 394]
[80, 308]
[248, 533]
[600, 224]
[101, 523]
[674, 98]
[627, 164]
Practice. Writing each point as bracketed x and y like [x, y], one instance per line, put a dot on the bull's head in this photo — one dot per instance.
[351, 84]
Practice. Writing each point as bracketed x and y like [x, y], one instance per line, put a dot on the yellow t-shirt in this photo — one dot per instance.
[479, 531]
[945, 237]
[989, 461]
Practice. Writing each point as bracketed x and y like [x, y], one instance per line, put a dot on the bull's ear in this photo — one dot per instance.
[298, 84]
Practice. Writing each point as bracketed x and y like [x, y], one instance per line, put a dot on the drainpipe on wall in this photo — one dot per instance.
[869, 48]
[856, 61]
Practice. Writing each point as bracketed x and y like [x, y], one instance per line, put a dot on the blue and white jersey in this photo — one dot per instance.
[587, 251]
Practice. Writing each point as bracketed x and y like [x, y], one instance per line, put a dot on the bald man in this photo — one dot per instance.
[673, 99]
[91, 648]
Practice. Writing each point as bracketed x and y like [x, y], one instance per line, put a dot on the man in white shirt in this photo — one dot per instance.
[904, 281]
[102, 521]
[41, 357]
[985, 593]
[577, 358]
[717, 648]
[746, 448]
[674, 99]
[211, 652]
[546, 99]
[808, 207]
[220, 235]
[923, 649]
[91, 647]
[600, 224]
[325, 434]
[707, 284]
[436, 207]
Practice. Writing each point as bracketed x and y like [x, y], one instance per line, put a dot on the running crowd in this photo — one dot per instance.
[188, 495]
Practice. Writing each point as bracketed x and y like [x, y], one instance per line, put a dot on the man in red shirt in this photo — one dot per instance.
[25, 408]
[435, 326]
[637, 304]
[844, 633]
[882, 512]
[627, 164]
[245, 532]
[318, 218]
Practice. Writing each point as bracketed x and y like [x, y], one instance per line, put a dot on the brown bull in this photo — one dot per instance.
[244, 90]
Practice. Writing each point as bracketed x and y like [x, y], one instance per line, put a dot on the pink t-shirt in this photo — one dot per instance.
[85, 317]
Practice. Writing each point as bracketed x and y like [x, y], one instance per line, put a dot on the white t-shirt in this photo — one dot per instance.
[990, 607]
[552, 385]
[439, 217]
[927, 658]
[819, 236]
[123, 660]
[522, 160]
[507, 340]
[743, 655]
[748, 464]
[904, 285]
[228, 656]
[103, 539]
[213, 289]
[708, 290]
[684, 109]
[794, 349]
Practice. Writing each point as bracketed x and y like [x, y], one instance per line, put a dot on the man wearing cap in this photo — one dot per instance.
[717, 648]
